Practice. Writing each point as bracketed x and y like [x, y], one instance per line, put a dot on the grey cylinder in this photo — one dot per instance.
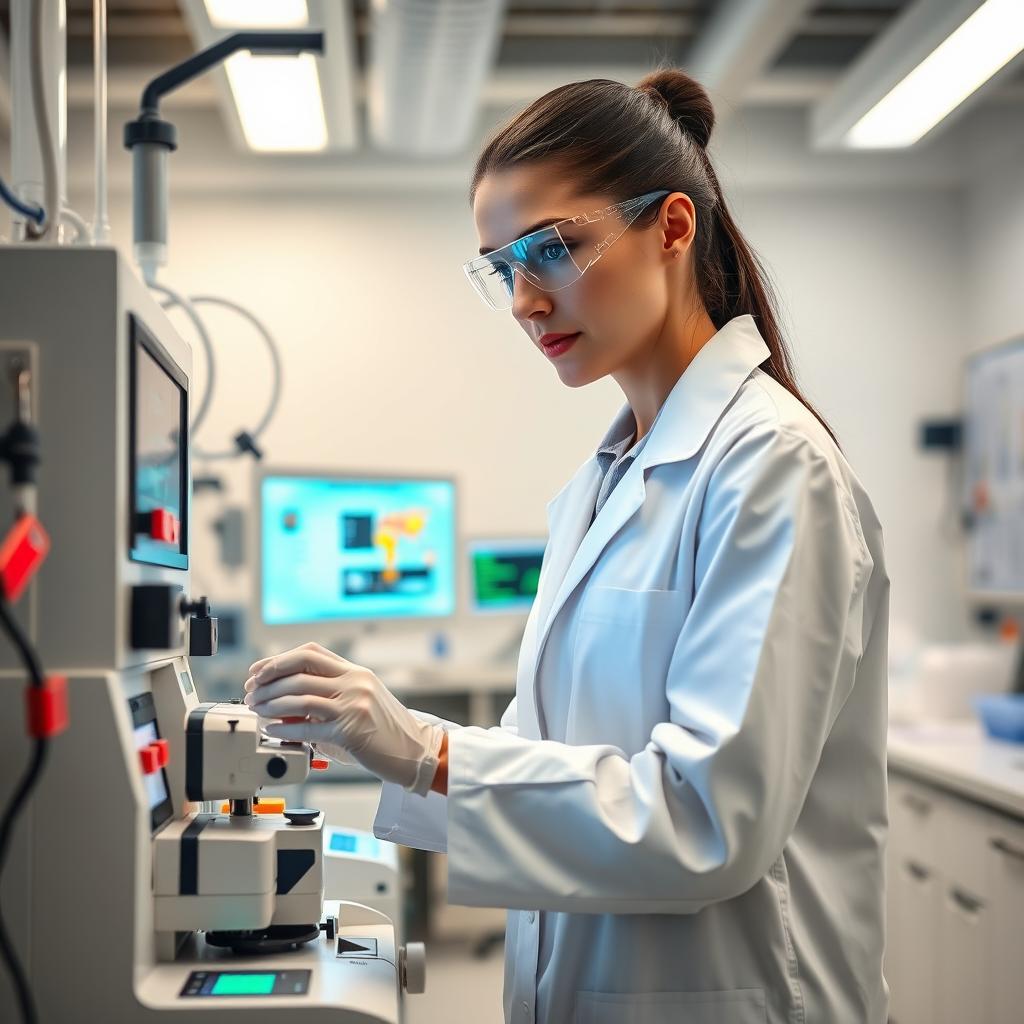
[149, 203]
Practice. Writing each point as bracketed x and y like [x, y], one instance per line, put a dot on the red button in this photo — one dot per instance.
[23, 551]
[163, 525]
[150, 759]
[318, 764]
[163, 750]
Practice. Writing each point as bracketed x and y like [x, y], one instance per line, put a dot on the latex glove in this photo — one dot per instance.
[347, 710]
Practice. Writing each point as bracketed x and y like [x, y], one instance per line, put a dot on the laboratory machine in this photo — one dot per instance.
[140, 881]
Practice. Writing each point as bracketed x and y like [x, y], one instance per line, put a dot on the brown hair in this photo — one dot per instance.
[623, 142]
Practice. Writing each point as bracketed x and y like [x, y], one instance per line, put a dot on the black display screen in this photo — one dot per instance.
[246, 984]
[144, 726]
[159, 453]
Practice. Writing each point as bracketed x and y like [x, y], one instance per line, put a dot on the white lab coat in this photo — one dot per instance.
[701, 837]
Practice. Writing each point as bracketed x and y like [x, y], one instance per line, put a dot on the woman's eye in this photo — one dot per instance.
[553, 251]
[502, 270]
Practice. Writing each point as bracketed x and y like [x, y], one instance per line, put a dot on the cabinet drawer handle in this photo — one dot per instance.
[1008, 848]
[917, 803]
[919, 871]
[966, 902]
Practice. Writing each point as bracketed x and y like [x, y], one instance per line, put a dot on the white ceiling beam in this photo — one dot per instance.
[739, 42]
[765, 150]
[504, 87]
[586, 25]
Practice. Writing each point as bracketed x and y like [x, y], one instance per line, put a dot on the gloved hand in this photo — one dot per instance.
[348, 710]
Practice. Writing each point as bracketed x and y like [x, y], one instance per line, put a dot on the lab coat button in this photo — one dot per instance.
[526, 1006]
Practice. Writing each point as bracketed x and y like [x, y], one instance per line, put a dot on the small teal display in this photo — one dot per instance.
[505, 574]
[335, 548]
[244, 985]
[348, 842]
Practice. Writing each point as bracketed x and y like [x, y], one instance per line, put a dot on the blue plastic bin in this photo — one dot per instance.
[1002, 714]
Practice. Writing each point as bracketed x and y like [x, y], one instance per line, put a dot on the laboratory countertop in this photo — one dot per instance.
[958, 756]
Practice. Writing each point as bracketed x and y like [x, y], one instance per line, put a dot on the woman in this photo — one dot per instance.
[685, 806]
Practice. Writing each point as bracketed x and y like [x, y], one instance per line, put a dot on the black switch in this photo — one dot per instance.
[155, 616]
[202, 628]
[202, 636]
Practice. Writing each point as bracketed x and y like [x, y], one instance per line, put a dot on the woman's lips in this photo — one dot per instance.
[558, 345]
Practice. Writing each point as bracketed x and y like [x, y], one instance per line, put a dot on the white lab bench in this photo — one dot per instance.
[956, 876]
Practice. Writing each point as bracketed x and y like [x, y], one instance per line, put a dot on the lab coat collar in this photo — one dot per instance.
[700, 396]
[683, 424]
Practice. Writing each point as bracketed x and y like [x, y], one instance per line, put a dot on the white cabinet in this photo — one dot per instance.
[914, 903]
[1006, 843]
[955, 908]
[913, 982]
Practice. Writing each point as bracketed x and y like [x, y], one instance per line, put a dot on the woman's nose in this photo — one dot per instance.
[527, 299]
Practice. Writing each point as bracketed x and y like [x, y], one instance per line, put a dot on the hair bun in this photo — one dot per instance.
[685, 99]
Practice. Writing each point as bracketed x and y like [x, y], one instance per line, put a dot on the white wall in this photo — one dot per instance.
[994, 231]
[871, 284]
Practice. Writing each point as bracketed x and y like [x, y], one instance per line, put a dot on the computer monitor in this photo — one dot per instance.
[503, 574]
[338, 549]
[993, 447]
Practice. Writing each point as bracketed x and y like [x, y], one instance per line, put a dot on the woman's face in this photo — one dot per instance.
[617, 310]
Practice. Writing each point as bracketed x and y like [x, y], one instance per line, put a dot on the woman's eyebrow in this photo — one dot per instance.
[529, 231]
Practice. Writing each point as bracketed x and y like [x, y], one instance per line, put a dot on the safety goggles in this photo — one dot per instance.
[554, 257]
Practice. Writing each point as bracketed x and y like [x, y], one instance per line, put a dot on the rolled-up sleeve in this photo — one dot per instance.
[417, 821]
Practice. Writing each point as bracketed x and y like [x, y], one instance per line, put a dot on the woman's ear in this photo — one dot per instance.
[678, 223]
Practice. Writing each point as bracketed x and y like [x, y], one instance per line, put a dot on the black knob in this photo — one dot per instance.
[301, 815]
[276, 767]
[200, 608]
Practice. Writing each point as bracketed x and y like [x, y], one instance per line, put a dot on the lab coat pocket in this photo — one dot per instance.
[737, 1006]
[623, 648]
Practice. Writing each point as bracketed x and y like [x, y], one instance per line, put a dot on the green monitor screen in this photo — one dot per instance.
[244, 985]
[505, 574]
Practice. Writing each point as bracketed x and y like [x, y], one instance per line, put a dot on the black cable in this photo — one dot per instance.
[7, 951]
[14, 808]
[21, 642]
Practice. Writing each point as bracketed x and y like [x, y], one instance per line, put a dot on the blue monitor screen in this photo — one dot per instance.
[344, 548]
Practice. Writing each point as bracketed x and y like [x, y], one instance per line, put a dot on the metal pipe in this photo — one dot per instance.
[100, 220]
[27, 174]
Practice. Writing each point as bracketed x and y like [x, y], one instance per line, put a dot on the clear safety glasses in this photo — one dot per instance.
[554, 257]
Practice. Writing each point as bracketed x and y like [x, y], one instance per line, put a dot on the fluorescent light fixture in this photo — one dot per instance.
[986, 42]
[257, 13]
[279, 102]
